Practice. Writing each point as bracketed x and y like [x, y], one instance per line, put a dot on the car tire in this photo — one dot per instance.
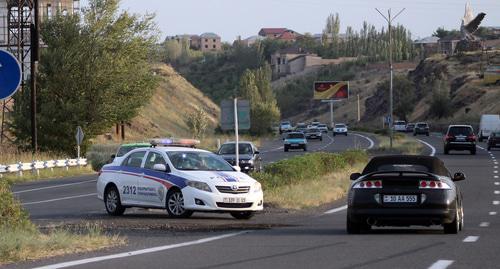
[345, 134]
[243, 214]
[446, 151]
[473, 151]
[352, 227]
[334, 134]
[286, 149]
[321, 139]
[112, 202]
[305, 148]
[454, 226]
[427, 134]
[461, 223]
[175, 205]
[489, 148]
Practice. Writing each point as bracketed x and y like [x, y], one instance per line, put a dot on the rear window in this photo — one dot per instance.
[403, 167]
[407, 163]
[292, 136]
[313, 130]
[422, 125]
[460, 131]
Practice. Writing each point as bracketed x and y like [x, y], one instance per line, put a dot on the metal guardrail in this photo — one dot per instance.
[36, 166]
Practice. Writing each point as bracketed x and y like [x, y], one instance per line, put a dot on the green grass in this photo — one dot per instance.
[309, 180]
[401, 145]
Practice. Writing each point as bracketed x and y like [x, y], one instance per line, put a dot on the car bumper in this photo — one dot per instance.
[460, 146]
[421, 131]
[403, 216]
[295, 146]
[313, 137]
[214, 201]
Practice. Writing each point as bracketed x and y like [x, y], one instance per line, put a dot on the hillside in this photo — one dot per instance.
[166, 112]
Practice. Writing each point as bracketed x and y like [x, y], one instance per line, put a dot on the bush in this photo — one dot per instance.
[99, 155]
[12, 215]
[307, 167]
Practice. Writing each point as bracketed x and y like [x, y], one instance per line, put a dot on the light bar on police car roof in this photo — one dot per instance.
[174, 142]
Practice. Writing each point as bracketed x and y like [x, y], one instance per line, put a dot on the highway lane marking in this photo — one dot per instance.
[484, 224]
[139, 252]
[271, 150]
[471, 239]
[335, 210]
[327, 145]
[496, 192]
[53, 187]
[433, 149]
[372, 143]
[495, 176]
[493, 213]
[495, 167]
[497, 183]
[496, 202]
[441, 264]
[60, 199]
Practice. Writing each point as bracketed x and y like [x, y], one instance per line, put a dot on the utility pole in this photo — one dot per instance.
[359, 110]
[35, 39]
[389, 20]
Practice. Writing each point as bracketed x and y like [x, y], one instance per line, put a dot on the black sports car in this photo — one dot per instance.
[403, 191]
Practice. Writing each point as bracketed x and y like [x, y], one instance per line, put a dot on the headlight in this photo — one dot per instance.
[257, 187]
[287, 142]
[202, 186]
[247, 161]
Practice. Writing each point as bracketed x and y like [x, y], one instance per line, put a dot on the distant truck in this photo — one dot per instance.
[489, 123]
[492, 74]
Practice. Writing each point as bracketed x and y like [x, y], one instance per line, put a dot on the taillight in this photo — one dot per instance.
[472, 137]
[449, 137]
[368, 184]
[433, 184]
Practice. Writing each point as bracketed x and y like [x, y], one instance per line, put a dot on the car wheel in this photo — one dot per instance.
[112, 202]
[334, 134]
[446, 151]
[427, 134]
[489, 148]
[473, 152]
[175, 205]
[305, 148]
[321, 139]
[454, 226]
[243, 214]
[345, 134]
[352, 227]
[461, 218]
[286, 149]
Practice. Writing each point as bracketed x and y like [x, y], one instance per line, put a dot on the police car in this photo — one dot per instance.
[182, 180]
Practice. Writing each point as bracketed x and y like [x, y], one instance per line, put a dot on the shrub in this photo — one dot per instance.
[99, 155]
[12, 215]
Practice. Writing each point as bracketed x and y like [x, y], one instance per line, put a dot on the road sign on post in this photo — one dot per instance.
[79, 139]
[10, 75]
[227, 115]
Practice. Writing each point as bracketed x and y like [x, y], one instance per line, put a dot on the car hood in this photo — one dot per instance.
[233, 157]
[216, 177]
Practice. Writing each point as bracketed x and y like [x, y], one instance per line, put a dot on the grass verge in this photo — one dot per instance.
[310, 180]
[402, 144]
[20, 240]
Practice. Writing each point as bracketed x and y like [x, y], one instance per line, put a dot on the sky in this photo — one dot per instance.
[233, 18]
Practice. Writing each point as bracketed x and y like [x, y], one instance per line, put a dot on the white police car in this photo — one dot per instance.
[182, 180]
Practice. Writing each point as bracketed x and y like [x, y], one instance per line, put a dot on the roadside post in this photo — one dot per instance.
[79, 139]
[10, 80]
[331, 92]
[236, 134]
[235, 113]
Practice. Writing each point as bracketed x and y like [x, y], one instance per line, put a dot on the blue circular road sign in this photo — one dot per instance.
[10, 74]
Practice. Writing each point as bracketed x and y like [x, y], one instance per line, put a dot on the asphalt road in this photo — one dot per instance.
[314, 240]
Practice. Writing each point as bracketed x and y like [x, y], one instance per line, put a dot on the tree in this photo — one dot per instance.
[173, 51]
[441, 101]
[198, 123]
[441, 32]
[404, 95]
[94, 72]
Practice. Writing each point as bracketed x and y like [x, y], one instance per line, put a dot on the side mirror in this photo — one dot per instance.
[161, 167]
[355, 176]
[257, 152]
[237, 168]
[113, 156]
[459, 176]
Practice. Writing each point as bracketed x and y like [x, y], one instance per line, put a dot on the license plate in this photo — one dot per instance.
[460, 138]
[400, 198]
[234, 200]
[295, 145]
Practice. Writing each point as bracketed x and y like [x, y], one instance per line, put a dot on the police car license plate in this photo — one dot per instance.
[234, 200]
[400, 198]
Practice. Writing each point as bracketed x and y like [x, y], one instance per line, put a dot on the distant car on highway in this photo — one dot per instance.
[323, 128]
[301, 127]
[295, 140]
[488, 124]
[249, 155]
[460, 137]
[410, 127]
[340, 129]
[403, 191]
[494, 140]
[181, 180]
[285, 126]
[399, 126]
[421, 128]
[314, 133]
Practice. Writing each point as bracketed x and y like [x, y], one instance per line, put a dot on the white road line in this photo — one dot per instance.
[60, 199]
[496, 192]
[492, 213]
[441, 264]
[496, 202]
[139, 252]
[335, 210]
[496, 171]
[481, 147]
[497, 183]
[484, 224]
[271, 150]
[53, 187]
[495, 167]
[372, 143]
[327, 145]
[495, 176]
[433, 149]
[471, 239]
[495, 162]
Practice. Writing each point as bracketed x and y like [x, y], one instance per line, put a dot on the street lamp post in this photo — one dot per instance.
[389, 20]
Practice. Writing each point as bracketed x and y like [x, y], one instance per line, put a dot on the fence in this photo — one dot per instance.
[36, 166]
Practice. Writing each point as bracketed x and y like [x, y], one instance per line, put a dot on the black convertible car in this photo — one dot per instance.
[404, 191]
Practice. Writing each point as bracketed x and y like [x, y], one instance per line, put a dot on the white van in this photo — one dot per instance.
[488, 124]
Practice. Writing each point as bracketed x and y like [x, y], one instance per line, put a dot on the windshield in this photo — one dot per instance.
[230, 149]
[198, 161]
[322, 126]
[421, 125]
[126, 149]
[339, 126]
[399, 123]
[295, 136]
[313, 130]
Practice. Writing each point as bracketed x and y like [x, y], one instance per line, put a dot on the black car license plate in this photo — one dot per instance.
[409, 199]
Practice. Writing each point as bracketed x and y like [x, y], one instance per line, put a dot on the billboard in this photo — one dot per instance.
[227, 115]
[331, 90]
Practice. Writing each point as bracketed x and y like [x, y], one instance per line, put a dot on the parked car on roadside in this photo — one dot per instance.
[488, 124]
[399, 126]
[421, 128]
[460, 137]
[340, 129]
[494, 140]
[410, 127]
[314, 133]
[249, 155]
[295, 140]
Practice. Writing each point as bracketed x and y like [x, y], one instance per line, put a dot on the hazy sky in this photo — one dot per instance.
[231, 18]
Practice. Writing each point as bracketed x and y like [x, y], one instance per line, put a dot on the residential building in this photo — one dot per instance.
[49, 8]
[427, 46]
[294, 60]
[210, 42]
[448, 44]
[279, 34]
[192, 40]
